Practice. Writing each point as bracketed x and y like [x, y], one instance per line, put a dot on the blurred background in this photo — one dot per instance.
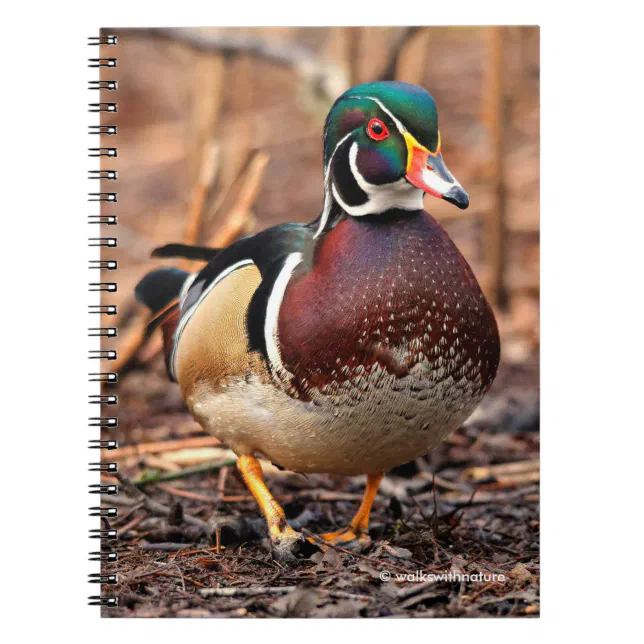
[220, 135]
[214, 120]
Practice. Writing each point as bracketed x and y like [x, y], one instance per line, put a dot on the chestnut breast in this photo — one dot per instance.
[388, 292]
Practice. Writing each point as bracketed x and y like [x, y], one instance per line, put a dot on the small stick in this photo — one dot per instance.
[274, 590]
[131, 340]
[174, 548]
[306, 494]
[198, 584]
[151, 461]
[130, 525]
[158, 477]
[496, 118]
[199, 195]
[221, 482]
[165, 446]
[477, 594]
[187, 495]
[240, 216]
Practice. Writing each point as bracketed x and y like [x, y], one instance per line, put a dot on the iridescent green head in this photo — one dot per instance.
[382, 151]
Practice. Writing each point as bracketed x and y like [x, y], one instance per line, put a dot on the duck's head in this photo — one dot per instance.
[382, 150]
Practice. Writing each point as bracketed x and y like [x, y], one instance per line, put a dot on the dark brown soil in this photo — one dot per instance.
[437, 515]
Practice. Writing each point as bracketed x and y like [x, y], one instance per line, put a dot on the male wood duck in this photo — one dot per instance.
[349, 345]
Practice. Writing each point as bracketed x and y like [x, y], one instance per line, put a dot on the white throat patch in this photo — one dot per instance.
[399, 194]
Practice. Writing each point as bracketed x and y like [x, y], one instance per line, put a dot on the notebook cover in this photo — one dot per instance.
[208, 135]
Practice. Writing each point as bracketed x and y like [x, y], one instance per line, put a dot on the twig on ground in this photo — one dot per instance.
[165, 446]
[159, 477]
[275, 590]
[484, 497]
[515, 472]
[164, 546]
[130, 525]
[185, 494]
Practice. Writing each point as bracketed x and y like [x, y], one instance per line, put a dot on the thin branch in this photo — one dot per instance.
[329, 80]
[158, 477]
[254, 591]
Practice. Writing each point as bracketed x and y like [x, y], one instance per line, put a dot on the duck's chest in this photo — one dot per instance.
[389, 303]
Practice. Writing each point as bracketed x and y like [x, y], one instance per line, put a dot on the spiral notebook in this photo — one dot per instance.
[276, 315]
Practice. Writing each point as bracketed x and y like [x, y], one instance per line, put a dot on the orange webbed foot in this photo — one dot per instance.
[358, 530]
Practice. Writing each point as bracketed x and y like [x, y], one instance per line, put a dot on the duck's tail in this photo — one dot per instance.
[160, 291]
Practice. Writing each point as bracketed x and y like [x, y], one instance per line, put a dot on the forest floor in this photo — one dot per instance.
[192, 544]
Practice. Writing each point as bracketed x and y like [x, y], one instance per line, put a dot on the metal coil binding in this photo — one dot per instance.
[102, 40]
[109, 556]
[105, 533]
[108, 513]
[110, 287]
[103, 152]
[99, 600]
[103, 107]
[103, 264]
[103, 377]
[99, 444]
[110, 86]
[103, 309]
[102, 62]
[108, 220]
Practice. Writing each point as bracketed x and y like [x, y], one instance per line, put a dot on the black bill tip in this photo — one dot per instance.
[457, 196]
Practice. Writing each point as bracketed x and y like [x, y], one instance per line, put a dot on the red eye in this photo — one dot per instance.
[377, 130]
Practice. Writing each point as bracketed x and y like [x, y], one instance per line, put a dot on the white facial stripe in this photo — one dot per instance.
[399, 194]
[190, 312]
[399, 125]
[272, 315]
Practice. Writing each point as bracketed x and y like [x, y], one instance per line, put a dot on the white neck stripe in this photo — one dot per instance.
[272, 316]
[398, 194]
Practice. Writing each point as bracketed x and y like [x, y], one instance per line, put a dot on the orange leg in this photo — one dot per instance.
[278, 529]
[359, 526]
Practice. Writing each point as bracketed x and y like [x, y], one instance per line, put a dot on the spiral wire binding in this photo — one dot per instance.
[106, 534]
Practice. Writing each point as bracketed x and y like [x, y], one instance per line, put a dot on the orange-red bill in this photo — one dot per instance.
[428, 172]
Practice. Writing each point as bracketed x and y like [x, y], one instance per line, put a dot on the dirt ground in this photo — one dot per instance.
[471, 507]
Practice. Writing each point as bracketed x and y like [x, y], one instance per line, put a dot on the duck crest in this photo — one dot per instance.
[386, 293]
